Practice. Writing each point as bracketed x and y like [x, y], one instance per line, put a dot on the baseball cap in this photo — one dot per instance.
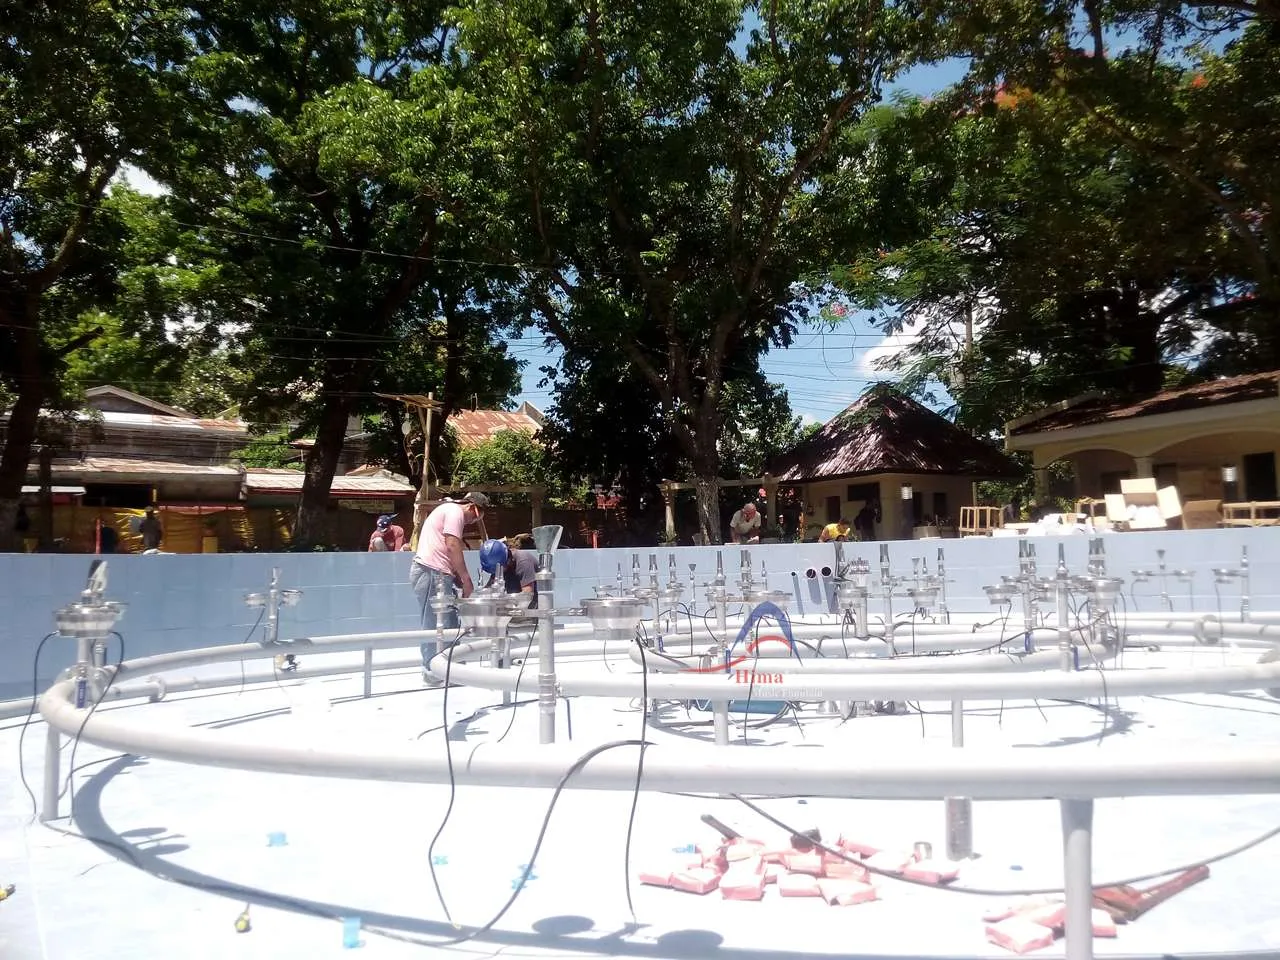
[479, 499]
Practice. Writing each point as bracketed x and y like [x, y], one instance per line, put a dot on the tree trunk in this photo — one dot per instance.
[707, 492]
[312, 525]
[24, 421]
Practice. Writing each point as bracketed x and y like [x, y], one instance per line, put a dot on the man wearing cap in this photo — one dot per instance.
[439, 557]
[519, 568]
[387, 535]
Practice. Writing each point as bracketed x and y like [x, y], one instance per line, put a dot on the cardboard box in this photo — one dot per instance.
[1140, 505]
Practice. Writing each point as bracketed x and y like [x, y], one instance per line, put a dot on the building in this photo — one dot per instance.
[886, 447]
[1212, 441]
[474, 427]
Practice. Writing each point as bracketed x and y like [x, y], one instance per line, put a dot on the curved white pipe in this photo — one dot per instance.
[926, 773]
[987, 685]
[956, 663]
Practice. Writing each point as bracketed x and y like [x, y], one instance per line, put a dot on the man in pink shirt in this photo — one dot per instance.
[439, 557]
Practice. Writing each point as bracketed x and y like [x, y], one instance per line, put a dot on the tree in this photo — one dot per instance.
[667, 192]
[85, 88]
[338, 258]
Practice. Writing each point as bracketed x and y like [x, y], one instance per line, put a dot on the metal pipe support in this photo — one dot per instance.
[1077, 863]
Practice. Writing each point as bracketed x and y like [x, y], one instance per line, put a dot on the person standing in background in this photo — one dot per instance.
[439, 557]
[744, 526]
[151, 530]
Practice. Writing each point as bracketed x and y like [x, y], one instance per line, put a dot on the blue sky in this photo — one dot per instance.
[823, 371]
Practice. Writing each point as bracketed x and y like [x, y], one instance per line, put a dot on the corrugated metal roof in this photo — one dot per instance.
[143, 468]
[886, 432]
[1090, 410]
[473, 427]
[290, 481]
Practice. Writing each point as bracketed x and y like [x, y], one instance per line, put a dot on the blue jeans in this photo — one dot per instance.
[425, 582]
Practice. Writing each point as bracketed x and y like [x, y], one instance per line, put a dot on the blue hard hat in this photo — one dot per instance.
[493, 554]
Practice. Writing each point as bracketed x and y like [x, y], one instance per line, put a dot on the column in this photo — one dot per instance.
[1142, 467]
[1042, 484]
[668, 506]
[771, 501]
[536, 495]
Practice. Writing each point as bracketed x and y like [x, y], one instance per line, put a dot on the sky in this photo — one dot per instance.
[823, 371]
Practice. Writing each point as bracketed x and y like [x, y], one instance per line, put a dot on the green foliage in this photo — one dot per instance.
[514, 458]
[269, 450]
[668, 193]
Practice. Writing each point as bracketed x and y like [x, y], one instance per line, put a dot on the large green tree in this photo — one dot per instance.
[339, 260]
[667, 171]
[86, 88]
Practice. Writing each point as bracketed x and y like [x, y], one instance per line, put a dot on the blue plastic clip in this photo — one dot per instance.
[687, 848]
[351, 933]
[277, 839]
[439, 860]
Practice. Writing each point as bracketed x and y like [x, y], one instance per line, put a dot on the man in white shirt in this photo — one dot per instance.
[745, 525]
[439, 557]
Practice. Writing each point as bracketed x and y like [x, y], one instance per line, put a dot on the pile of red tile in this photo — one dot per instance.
[1035, 922]
[742, 869]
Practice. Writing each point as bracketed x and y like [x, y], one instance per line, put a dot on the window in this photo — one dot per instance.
[939, 506]
[1260, 476]
[862, 492]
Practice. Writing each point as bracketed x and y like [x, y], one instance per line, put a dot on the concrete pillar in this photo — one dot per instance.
[771, 501]
[1042, 484]
[669, 507]
[536, 496]
[1143, 467]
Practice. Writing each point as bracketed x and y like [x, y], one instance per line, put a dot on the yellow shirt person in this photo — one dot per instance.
[835, 531]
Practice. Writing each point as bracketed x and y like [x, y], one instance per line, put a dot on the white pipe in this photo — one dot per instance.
[891, 773]
[959, 663]
[987, 685]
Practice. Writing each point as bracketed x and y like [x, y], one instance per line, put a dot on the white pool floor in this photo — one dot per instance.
[176, 852]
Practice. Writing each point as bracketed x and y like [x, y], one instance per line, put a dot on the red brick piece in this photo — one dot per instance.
[695, 880]
[846, 893]
[845, 870]
[1019, 935]
[798, 885]
[1104, 925]
[1021, 905]
[810, 863]
[1051, 915]
[736, 850]
[890, 861]
[742, 884]
[932, 871]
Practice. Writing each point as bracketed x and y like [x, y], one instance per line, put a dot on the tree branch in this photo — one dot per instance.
[76, 343]
[45, 277]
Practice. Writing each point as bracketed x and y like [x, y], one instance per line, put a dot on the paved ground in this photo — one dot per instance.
[178, 851]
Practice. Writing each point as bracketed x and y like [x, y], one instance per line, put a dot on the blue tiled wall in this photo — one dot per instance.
[181, 601]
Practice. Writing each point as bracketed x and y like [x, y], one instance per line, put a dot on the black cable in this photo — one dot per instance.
[247, 637]
[237, 892]
[35, 700]
[71, 812]
[635, 792]
[453, 786]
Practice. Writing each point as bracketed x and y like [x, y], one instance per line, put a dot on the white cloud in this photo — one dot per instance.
[808, 418]
[141, 181]
[868, 364]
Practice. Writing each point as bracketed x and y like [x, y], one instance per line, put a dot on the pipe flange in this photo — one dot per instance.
[159, 693]
[1197, 630]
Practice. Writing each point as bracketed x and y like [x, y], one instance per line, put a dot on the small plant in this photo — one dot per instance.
[668, 538]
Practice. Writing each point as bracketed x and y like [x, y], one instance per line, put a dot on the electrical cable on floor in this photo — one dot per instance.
[247, 637]
[71, 813]
[635, 793]
[453, 786]
[22, 736]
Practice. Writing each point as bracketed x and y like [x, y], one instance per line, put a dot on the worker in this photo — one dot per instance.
[439, 557]
[864, 524]
[839, 530]
[744, 526]
[151, 530]
[387, 534]
[519, 568]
